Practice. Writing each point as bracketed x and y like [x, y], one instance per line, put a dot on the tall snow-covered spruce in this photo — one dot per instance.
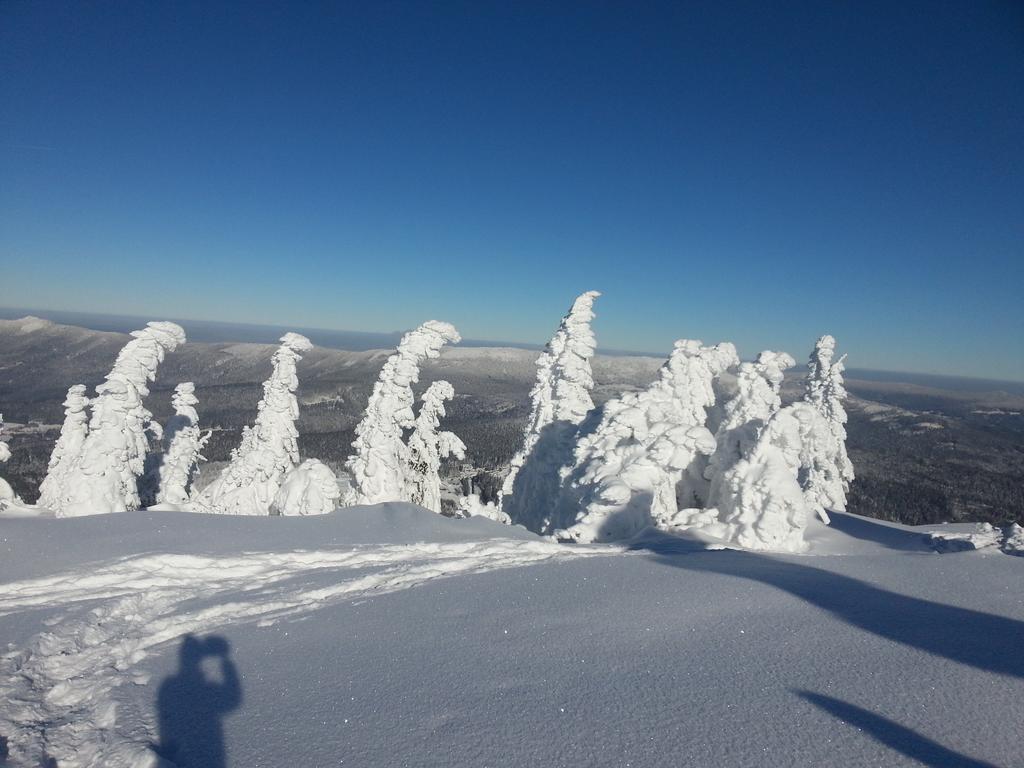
[825, 391]
[427, 446]
[183, 442]
[380, 464]
[268, 449]
[104, 475]
[627, 471]
[560, 400]
[69, 444]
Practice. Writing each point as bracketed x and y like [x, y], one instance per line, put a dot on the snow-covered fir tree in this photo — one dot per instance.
[103, 477]
[766, 498]
[824, 389]
[268, 449]
[69, 444]
[756, 399]
[560, 400]
[761, 504]
[183, 441]
[380, 464]
[804, 436]
[764, 501]
[627, 471]
[308, 489]
[427, 446]
[7, 494]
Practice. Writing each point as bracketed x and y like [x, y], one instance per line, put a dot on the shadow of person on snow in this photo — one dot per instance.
[191, 705]
[980, 640]
[892, 734]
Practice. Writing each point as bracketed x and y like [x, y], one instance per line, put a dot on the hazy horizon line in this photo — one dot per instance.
[112, 324]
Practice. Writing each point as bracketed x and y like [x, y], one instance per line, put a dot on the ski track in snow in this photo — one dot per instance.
[58, 693]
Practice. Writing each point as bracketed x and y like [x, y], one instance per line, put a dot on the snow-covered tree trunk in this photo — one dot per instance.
[627, 471]
[380, 465]
[757, 398]
[183, 442]
[104, 476]
[427, 446]
[560, 400]
[308, 489]
[69, 444]
[825, 391]
[268, 450]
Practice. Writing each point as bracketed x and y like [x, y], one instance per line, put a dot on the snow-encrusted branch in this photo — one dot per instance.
[69, 444]
[560, 400]
[104, 476]
[427, 446]
[379, 466]
[269, 449]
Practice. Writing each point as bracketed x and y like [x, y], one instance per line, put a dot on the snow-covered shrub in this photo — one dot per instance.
[268, 449]
[379, 467]
[1013, 540]
[627, 471]
[308, 489]
[69, 444]
[560, 400]
[183, 442]
[103, 477]
[984, 536]
[427, 446]
[756, 399]
[472, 506]
[825, 391]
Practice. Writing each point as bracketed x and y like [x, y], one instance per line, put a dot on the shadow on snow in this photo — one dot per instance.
[191, 706]
[981, 640]
[892, 734]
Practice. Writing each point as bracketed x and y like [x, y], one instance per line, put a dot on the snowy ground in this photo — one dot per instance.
[389, 636]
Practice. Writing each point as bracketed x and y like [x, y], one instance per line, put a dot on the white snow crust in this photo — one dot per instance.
[389, 635]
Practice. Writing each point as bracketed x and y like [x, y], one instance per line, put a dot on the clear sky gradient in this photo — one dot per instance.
[757, 172]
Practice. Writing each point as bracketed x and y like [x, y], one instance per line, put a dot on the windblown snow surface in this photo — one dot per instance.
[390, 636]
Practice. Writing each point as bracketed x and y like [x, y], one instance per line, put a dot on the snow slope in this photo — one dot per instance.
[390, 636]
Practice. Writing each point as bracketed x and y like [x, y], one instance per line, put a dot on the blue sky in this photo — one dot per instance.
[758, 172]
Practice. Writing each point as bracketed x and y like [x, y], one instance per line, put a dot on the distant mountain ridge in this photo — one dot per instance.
[360, 341]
